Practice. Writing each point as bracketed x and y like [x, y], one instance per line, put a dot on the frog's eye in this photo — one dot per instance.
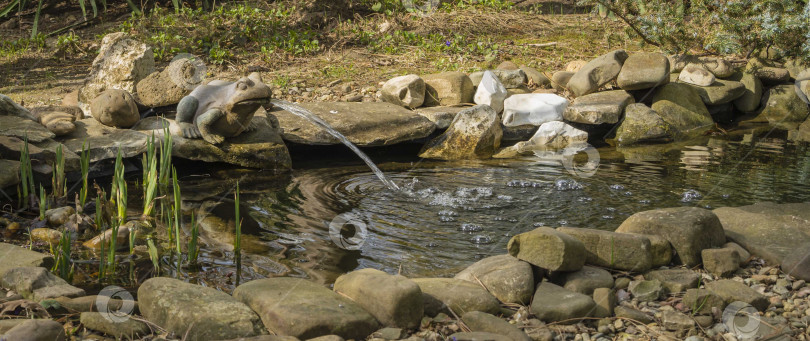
[241, 86]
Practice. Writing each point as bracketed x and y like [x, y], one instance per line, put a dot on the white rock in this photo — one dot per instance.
[490, 92]
[534, 109]
[696, 75]
[557, 135]
[407, 91]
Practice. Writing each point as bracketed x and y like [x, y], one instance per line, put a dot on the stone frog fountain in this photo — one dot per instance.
[222, 109]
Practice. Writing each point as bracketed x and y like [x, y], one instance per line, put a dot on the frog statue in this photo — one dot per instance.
[221, 109]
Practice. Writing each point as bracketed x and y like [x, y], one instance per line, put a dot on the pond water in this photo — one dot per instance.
[450, 214]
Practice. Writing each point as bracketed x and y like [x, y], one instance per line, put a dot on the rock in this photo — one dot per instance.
[121, 63]
[169, 86]
[37, 330]
[797, 264]
[478, 336]
[598, 108]
[440, 116]
[91, 303]
[10, 108]
[688, 229]
[509, 279]
[701, 301]
[474, 133]
[553, 303]
[661, 250]
[9, 175]
[507, 65]
[597, 73]
[37, 284]
[766, 73]
[41, 153]
[771, 231]
[58, 119]
[407, 91]
[560, 79]
[549, 249]
[633, 314]
[731, 291]
[643, 71]
[621, 251]
[482, 322]
[16, 257]
[742, 253]
[59, 216]
[103, 142]
[518, 133]
[261, 148]
[440, 295]
[675, 280]
[719, 67]
[605, 299]
[536, 77]
[327, 338]
[575, 65]
[783, 107]
[21, 128]
[721, 262]
[511, 79]
[202, 313]
[720, 92]
[752, 95]
[122, 237]
[646, 291]
[394, 301]
[676, 321]
[534, 109]
[46, 235]
[682, 108]
[127, 329]
[795, 66]
[300, 308]
[390, 334]
[6, 325]
[696, 75]
[556, 135]
[587, 279]
[490, 92]
[115, 108]
[641, 124]
[364, 124]
[448, 88]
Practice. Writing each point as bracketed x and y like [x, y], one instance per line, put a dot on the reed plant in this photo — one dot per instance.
[193, 244]
[150, 178]
[85, 165]
[58, 185]
[64, 266]
[177, 211]
[26, 177]
[43, 202]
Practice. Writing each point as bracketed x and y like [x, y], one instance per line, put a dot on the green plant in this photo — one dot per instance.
[102, 228]
[153, 253]
[43, 202]
[150, 177]
[26, 176]
[85, 166]
[64, 265]
[58, 185]
[177, 210]
[193, 247]
[119, 189]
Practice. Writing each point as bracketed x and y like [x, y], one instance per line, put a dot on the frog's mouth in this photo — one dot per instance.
[251, 103]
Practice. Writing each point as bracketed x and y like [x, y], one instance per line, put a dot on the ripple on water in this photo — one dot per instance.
[691, 195]
[481, 239]
[567, 185]
[470, 228]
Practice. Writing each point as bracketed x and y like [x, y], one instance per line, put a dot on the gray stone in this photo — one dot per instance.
[37, 330]
[632, 314]
[605, 299]
[202, 312]
[782, 107]
[560, 79]
[6, 325]
[103, 142]
[641, 124]
[482, 322]
[752, 95]
[300, 308]
[475, 133]
[682, 108]
[128, 329]
[14, 256]
[43, 153]
[121, 63]
[364, 124]
[643, 71]
[696, 75]
[536, 77]
[407, 91]
[701, 301]
[661, 251]
[597, 73]
[21, 128]
[90, 303]
[9, 176]
[37, 284]
[575, 65]
[511, 79]
[441, 116]
[441, 295]
[721, 262]
[742, 253]
[688, 229]
[718, 66]
[59, 216]
[327, 338]
[169, 86]
[509, 279]
[731, 291]
[675, 280]
[720, 92]
[394, 301]
[598, 108]
[390, 333]
[585, 280]
[448, 88]
[646, 291]
[10, 108]
[767, 73]
[621, 251]
[58, 119]
[553, 303]
[549, 249]
[115, 108]
[478, 336]
[676, 321]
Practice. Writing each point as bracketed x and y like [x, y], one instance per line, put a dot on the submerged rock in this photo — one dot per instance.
[440, 295]
[407, 91]
[509, 279]
[549, 249]
[534, 109]
[782, 107]
[490, 92]
[643, 71]
[448, 88]
[682, 108]
[597, 73]
[641, 124]
[598, 108]
[475, 133]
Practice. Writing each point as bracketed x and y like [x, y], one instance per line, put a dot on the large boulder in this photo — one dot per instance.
[303, 309]
[598, 108]
[200, 313]
[115, 108]
[688, 229]
[597, 73]
[509, 279]
[393, 300]
[448, 88]
[682, 108]
[621, 251]
[720, 92]
[15, 257]
[475, 133]
[555, 135]
[37, 284]
[553, 303]
[490, 92]
[440, 116]
[104, 142]
[121, 63]
[407, 91]
[534, 109]
[10, 108]
[37, 330]
[718, 66]
[643, 70]
[364, 124]
[443, 295]
[586, 280]
[21, 128]
[560, 79]
[641, 124]
[696, 75]
[782, 107]
[169, 86]
[766, 72]
[536, 77]
[752, 95]
[549, 249]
